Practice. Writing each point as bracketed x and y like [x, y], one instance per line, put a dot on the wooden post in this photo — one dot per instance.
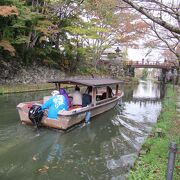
[94, 96]
[107, 92]
[133, 72]
[117, 87]
[56, 85]
[164, 75]
[59, 86]
[171, 160]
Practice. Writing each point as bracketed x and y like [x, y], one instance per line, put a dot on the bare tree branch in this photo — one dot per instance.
[172, 49]
[154, 18]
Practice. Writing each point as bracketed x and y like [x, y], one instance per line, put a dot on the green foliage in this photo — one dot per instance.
[144, 74]
[111, 55]
[20, 40]
[76, 30]
[36, 31]
[34, 34]
[92, 71]
[6, 2]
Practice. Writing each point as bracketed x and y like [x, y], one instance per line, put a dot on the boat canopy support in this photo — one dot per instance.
[94, 96]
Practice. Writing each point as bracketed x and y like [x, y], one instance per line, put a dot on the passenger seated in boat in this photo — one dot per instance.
[77, 97]
[110, 93]
[63, 92]
[55, 104]
[103, 96]
[87, 97]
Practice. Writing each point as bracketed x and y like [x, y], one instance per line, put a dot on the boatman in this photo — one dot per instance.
[55, 104]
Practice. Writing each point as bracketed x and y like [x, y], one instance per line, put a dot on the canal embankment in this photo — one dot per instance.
[18, 88]
[40, 86]
[153, 157]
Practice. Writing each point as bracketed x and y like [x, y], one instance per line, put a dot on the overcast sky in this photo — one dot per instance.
[139, 54]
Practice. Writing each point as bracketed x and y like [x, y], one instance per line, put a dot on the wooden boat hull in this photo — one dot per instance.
[67, 119]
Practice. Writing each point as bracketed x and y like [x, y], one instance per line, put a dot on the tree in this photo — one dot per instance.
[164, 22]
[155, 11]
[19, 29]
[6, 12]
[103, 26]
[164, 18]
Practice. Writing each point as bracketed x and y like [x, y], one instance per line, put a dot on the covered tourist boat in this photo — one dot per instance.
[105, 95]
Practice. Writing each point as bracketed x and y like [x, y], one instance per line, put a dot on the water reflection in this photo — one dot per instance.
[147, 89]
[105, 149]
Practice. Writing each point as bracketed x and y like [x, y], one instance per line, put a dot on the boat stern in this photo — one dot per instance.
[23, 110]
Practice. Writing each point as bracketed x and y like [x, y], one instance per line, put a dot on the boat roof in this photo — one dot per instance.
[89, 82]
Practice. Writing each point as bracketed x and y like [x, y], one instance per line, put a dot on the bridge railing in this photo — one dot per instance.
[155, 63]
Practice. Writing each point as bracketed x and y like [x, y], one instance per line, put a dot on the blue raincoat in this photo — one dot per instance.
[55, 104]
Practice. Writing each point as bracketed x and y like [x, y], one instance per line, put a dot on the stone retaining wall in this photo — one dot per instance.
[17, 74]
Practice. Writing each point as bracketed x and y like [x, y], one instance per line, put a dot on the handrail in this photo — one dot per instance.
[155, 63]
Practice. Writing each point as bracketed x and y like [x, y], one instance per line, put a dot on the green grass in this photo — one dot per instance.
[5, 89]
[25, 88]
[153, 165]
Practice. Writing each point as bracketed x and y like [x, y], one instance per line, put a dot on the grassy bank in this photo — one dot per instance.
[152, 163]
[25, 88]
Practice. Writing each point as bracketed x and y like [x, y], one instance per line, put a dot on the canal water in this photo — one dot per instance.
[104, 149]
